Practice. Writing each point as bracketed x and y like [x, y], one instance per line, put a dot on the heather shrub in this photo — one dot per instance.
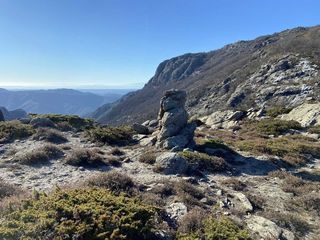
[215, 228]
[79, 214]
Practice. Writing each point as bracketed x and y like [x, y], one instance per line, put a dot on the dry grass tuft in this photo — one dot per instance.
[114, 181]
[50, 135]
[40, 155]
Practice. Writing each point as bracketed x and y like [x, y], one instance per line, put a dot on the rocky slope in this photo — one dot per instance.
[261, 176]
[279, 69]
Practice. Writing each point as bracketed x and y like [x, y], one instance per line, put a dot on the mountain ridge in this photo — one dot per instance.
[228, 78]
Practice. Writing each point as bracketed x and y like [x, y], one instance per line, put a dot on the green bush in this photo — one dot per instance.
[79, 214]
[216, 229]
[12, 130]
[204, 162]
[111, 135]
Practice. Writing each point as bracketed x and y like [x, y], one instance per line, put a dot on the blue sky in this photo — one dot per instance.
[119, 43]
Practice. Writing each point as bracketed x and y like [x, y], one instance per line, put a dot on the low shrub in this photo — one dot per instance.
[216, 228]
[276, 127]
[114, 181]
[73, 120]
[215, 144]
[192, 222]
[50, 135]
[148, 157]
[188, 193]
[117, 152]
[88, 213]
[64, 126]
[204, 162]
[314, 129]
[40, 155]
[111, 135]
[235, 184]
[293, 149]
[309, 201]
[85, 157]
[290, 221]
[276, 111]
[13, 130]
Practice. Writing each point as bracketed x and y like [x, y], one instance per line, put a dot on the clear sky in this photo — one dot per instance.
[119, 43]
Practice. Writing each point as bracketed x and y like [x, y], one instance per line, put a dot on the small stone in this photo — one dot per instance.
[204, 200]
[219, 192]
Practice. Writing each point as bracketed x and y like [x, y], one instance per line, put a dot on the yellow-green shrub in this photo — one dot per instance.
[79, 214]
[216, 229]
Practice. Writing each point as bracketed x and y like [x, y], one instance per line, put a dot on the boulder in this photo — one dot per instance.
[174, 129]
[42, 122]
[307, 114]
[223, 119]
[267, 229]
[246, 205]
[171, 163]
[140, 129]
[177, 210]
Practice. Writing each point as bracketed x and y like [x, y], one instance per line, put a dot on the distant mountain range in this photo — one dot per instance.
[281, 69]
[62, 101]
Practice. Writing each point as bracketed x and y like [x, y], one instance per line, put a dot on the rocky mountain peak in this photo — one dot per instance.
[177, 68]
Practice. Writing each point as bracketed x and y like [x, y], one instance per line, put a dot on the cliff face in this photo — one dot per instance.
[278, 69]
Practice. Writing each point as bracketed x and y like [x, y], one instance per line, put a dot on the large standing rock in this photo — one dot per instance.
[174, 129]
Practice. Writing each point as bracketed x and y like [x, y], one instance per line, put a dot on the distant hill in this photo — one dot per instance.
[278, 69]
[62, 101]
